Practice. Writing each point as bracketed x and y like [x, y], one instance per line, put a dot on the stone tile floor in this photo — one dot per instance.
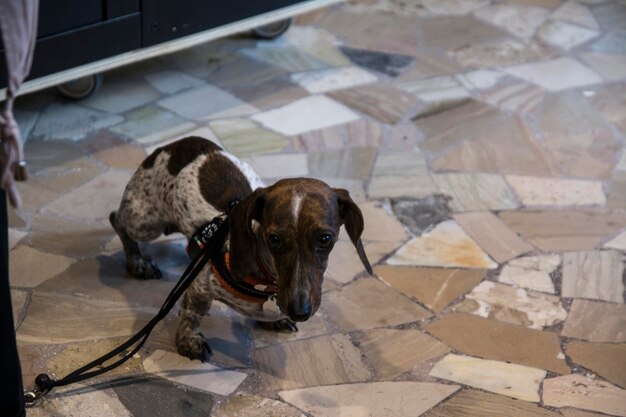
[484, 141]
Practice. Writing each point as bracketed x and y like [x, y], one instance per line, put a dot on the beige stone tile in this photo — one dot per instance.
[111, 150]
[315, 326]
[563, 230]
[296, 364]
[71, 121]
[360, 133]
[393, 352]
[610, 101]
[29, 267]
[550, 74]
[617, 194]
[401, 174]
[90, 402]
[279, 166]
[491, 339]
[502, 53]
[204, 376]
[513, 305]
[531, 272]
[352, 162]
[357, 306]
[508, 379]
[94, 200]
[456, 32]
[344, 262]
[565, 35]
[596, 321]
[439, 92]
[581, 392]
[492, 235]
[605, 359]
[447, 245]
[433, 287]
[571, 412]
[517, 96]
[18, 302]
[205, 103]
[453, 7]
[472, 403]
[56, 318]
[243, 137]
[269, 94]
[15, 236]
[596, 275]
[254, 406]
[618, 242]
[534, 191]
[476, 191]
[119, 95]
[160, 139]
[380, 225]
[399, 399]
[520, 20]
[351, 358]
[333, 79]
[574, 12]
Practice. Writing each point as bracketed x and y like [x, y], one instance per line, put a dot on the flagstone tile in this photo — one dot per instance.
[254, 406]
[476, 191]
[113, 151]
[25, 121]
[400, 399]
[438, 92]
[29, 267]
[596, 321]
[420, 215]
[612, 42]
[509, 51]
[332, 79]
[156, 396]
[290, 59]
[531, 272]
[400, 174]
[513, 305]
[344, 262]
[57, 318]
[151, 124]
[605, 359]
[268, 94]
[172, 81]
[236, 69]
[351, 358]
[71, 121]
[447, 245]
[90, 402]
[581, 392]
[596, 275]
[203, 376]
[436, 288]
[610, 16]
[353, 162]
[357, 306]
[618, 242]
[574, 12]
[429, 64]
[280, 165]
[610, 101]
[356, 188]
[517, 381]
[472, 403]
[54, 157]
[393, 352]
[310, 113]
[491, 339]
[453, 7]
[566, 35]
[563, 230]
[571, 412]
[454, 32]
[536, 191]
[380, 224]
[520, 20]
[611, 66]
[93, 200]
[557, 74]
[243, 137]
[18, 302]
[359, 133]
[500, 242]
[156, 141]
[34, 194]
[120, 95]
[296, 364]
[206, 103]
[617, 193]
[383, 103]
[384, 63]
[480, 79]
[519, 97]
[315, 326]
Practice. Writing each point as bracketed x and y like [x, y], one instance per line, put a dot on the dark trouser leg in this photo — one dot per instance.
[11, 390]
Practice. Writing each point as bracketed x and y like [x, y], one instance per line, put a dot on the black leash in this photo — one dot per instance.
[209, 241]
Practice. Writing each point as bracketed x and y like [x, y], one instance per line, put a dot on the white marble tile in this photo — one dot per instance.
[574, 12]
[618, 242]
[514, 305]
[476, 191]
[596, 275]
[520, 20]
[480, 79]
[194, 373]
[397, 399]
[275, 166]
[447, 245]
[503, 378]
[121, 95]
[206, 103]
[536, 191]
[566, 35]
[611, 66]
[172, 82]
[581, 392]
[531, 272]
[438, 89]
[304, 115]
[556, 74]
[333, 79]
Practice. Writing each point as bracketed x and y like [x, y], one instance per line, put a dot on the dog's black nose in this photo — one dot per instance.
[300, 311]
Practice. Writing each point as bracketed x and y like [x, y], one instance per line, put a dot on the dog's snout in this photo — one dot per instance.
[300, 309]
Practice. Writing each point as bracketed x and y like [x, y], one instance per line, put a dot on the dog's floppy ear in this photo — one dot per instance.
[352, 219]
[242, 239]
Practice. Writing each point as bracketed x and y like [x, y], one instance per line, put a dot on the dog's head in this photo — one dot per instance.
[292, 226]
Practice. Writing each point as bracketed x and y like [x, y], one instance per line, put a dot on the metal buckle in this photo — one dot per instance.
[31, 397]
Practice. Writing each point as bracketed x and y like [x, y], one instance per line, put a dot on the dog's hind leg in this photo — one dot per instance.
[137, 265]
[196, 302]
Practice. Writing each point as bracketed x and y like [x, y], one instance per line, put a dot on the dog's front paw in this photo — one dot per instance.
[282, 325]
[143, 267]
[194, 346]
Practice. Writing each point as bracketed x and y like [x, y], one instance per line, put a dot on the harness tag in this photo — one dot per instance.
[203, 236]
[271, 311]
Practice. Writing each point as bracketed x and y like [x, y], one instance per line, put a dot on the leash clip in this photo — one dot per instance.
[31, 397]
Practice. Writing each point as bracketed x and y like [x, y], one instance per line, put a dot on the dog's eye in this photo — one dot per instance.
[324, 241]
[274, 241]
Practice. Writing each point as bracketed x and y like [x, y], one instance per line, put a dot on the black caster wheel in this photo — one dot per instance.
[82, 87]
[272, 30]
